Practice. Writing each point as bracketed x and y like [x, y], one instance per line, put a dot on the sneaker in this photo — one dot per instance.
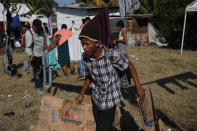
[40, 92]
[80, 78]
[46, 85]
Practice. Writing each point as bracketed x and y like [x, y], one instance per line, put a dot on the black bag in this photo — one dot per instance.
[11, 69]
[125, 76]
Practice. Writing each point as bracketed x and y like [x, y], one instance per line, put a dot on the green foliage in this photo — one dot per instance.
[43, 6]
[167, 14]
[39, 6]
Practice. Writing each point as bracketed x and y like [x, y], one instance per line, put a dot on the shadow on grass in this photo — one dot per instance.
[184, 77]
[166, 120]
[69, 88]
[130, 94]
[127, 123]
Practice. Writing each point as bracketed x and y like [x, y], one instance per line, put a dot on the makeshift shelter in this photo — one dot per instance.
[190, 8]
[19, 9]
[155, 36]
[70, 13]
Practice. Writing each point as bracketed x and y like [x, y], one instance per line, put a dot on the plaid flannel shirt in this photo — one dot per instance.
[105, 81]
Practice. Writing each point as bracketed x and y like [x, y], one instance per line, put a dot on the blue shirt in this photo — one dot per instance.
[105, 81]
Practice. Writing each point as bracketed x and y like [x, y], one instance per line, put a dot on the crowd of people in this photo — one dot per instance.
[61, 53]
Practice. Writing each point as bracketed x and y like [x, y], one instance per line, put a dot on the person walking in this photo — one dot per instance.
[63, 49]
[100, 72]
[35, 48]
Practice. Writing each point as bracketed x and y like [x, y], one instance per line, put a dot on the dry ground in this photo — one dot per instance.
[172, 78]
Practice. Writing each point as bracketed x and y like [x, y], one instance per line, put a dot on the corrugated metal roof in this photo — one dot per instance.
[64, 2]
[86, 8]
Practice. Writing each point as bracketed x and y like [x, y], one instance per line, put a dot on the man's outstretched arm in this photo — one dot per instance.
[83, 91]
[140, 91]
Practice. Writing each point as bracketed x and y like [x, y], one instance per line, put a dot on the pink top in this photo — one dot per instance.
[65, 35]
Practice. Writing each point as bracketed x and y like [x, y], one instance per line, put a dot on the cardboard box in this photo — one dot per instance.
[58, 114]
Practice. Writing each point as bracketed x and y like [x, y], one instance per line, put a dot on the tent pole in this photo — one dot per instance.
[183, 32]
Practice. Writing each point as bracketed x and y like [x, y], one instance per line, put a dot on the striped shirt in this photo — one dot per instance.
[105, 81]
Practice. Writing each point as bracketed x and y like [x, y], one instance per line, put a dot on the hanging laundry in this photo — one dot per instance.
[128, 6]
[49, 27]
[15, 22]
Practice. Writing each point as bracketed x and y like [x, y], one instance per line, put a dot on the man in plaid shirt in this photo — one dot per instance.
[101, 74]
[105, 81]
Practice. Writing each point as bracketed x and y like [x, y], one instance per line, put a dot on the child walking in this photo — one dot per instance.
[100, 72]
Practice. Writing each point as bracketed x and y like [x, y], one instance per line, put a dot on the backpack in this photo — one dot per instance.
[24, 40]
[124, 76]
[11, 69]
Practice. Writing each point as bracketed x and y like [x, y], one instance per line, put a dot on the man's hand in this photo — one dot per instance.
[31, 57]
[79, 99]
[50, 47]
[141, 93]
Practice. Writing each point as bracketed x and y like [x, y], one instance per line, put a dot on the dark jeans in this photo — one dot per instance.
[104, 118]
[37, 70]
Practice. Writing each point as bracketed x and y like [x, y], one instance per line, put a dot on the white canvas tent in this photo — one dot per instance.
[2, 12]
[21, 8]
[154, 35]
[190, 8]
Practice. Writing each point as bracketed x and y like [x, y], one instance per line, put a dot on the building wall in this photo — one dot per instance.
[137, 33]
[113, 22]
[67, 15]
[115, 32]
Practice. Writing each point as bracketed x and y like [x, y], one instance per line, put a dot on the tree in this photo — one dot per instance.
[43, 6]
[38, 6]
[167, 15]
